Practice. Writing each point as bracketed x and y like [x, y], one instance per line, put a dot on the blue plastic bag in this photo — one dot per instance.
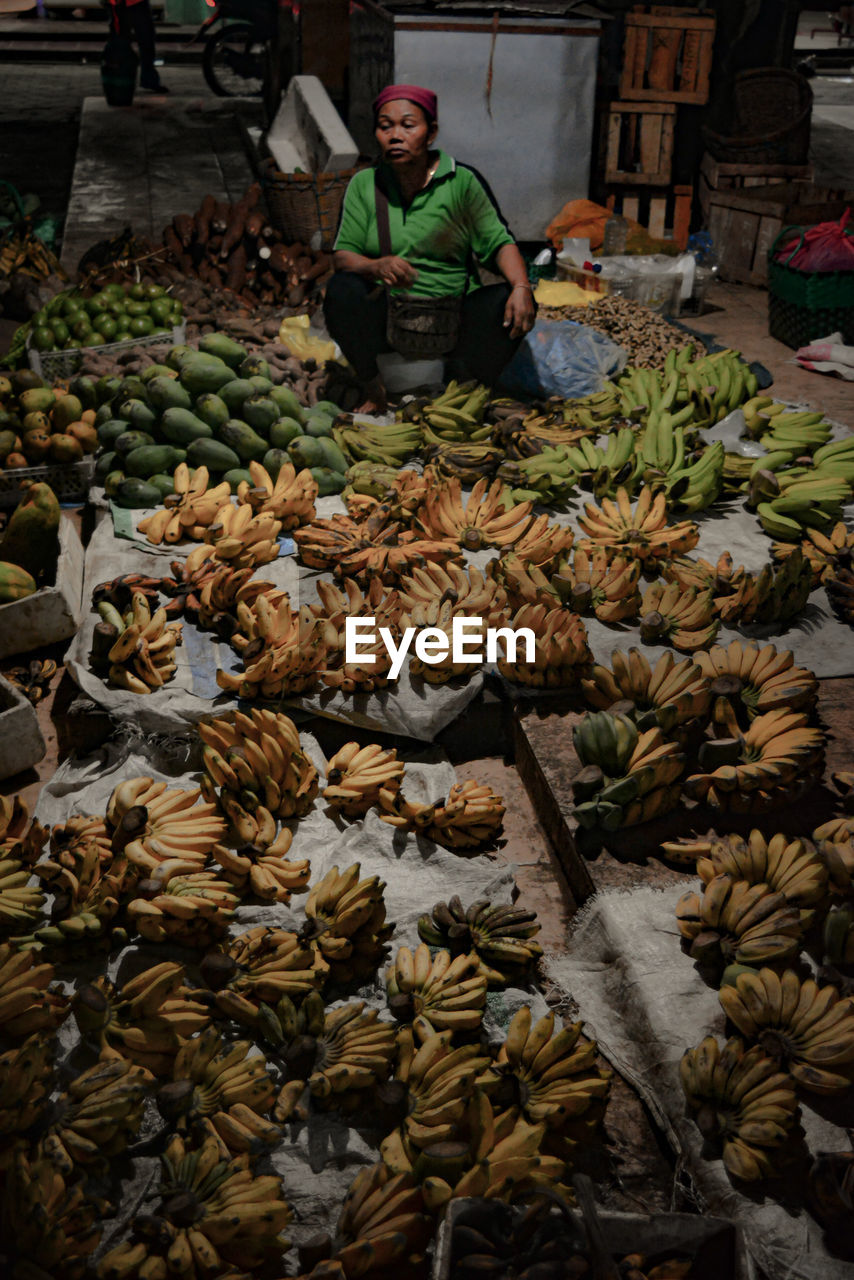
[559, 358]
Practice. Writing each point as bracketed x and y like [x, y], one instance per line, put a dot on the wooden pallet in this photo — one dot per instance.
[745, 224]
[640, 143]
[716, 176]
[666, 216]
[667, 55]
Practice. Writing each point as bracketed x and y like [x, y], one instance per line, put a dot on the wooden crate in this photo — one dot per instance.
[640, 143]
[745, 224]
[716, 176]
[667, 216]
[667, 55]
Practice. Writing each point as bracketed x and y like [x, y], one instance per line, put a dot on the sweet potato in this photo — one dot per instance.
[236, 268]
[233, 233]
[254, 223]
[204, 214]
[184, 228]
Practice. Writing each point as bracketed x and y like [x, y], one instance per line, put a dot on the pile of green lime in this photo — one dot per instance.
[115, 314]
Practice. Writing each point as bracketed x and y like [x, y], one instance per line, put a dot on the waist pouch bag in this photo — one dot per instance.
[416, 327]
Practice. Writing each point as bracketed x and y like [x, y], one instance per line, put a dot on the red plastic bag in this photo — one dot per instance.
[828, 246]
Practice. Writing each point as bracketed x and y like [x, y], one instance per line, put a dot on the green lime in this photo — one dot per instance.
[71, 309]
[122, 328]
[81, 326]
[41, 319]
[93, 339]
[161, 309]
[114, 290]
[43, 339]
[116, 307]
[154, 291]
[60, 331]
[105, 324]
[137, 308]
[177, 307]
[71, 345]
[137, 292]
[141, 325]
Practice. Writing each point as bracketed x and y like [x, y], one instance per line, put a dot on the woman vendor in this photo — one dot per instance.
[436, 217]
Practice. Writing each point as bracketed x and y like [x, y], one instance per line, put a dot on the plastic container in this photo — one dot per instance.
[400, 374]
[70, 481]
[616, 235]
[53, 365]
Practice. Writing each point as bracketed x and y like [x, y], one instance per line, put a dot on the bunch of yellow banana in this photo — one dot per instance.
[487, 518]
[791, 867]
[259, 967]
[20, 902]
[19, 837]
[216, 1085]
[441, 993]
[26, 1081]
[48, 1228]
[337, 604]
[641, 532]
[352, 1051]
[780, 750]
[263, 869]
[807, 1029]
[96, 1116]
[28, 1001]
[224, 590]
[471, 816]
[355, 775]
[561, 652]
[840, 593]
[187, 513]
[151, 823]
[243, 540]
[181, 904]
[289, 498]
[438, 1079]
[522, 582]
[775, 594]
[751, 681]
[69, 839]
[668, 695]
[145, 1020]
[740, 1101]
[215, 1218]
[601, 583]
[283, 651]
[87, 898]
[389, 445]
[467, 463]
[501, 936]
[825, 552]
[682, 617]
[732, 920]
[544, 544]
[469, 590]
[273, 736]
[346, 918]
[627, 777]
[383, 1224]
[546, 1078]
[141, 657]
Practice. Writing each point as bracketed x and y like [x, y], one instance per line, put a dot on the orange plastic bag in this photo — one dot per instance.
[579, 220]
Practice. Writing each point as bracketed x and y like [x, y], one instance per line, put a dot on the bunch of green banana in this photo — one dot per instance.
[798, 432]
[740, 1101]
[806, 498]
[96, 1116]
[440, 993]
[371, 479]
[713, 386]
[389, 445]
[544, 477]
[604, 469]
[736, 472]
[838, 938]
[807, 1029]
[86, 898]
[732, 920]
[627, 777]
[503, 937]
[836, 457]
[454, 417]
[466, 462]
[545, 1077]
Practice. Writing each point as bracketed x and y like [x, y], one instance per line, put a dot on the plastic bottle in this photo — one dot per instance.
[616, 235]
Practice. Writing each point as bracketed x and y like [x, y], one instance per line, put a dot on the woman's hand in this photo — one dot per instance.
[394, 272]
[519, 314]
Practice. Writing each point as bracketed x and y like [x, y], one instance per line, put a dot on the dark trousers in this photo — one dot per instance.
[357, 322]
[136, 21]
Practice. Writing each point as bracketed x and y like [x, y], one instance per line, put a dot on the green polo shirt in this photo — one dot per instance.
[453, 219]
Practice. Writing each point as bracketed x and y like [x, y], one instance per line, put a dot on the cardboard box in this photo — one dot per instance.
[54, 612]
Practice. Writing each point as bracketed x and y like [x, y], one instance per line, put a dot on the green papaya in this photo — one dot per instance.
[15, 582]
[334, 458]
[151, 459]
[135, 494]
[274, 460]
[327, 481]
[254, 364]
[158, 371]
[212, 409]
[235, 392]
[236, 476]
[31, 538]
[84, 388]
[109, 432]
[130, 440]
[283, 431]
[326, 406]
[319, 424]
[106, 388]
[105, 465]
[178, 355]
[112, 482]
[181, 426]
[305, 451]
[103, 414]
[200, 373]
[288, 402]
[240, 437]
[219, 344]
[140, 415]
[260, 412]
[167, 393]
[163, 482]
[263, 386]
[131, 388]
[212, 454]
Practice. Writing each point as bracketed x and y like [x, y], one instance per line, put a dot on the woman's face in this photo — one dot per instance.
[403, 131]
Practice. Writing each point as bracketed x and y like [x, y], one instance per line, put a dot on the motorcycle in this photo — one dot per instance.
[238, 57]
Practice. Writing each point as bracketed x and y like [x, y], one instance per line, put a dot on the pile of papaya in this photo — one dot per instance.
[217, 407]
[42, 425]
[115, 313]
[29, 545]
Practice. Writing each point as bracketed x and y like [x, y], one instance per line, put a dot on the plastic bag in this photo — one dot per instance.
[828, 246]
[294, 334]
[559, 358]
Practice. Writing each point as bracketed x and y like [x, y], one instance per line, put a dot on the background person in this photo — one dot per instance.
[134, 19]
[442, 217]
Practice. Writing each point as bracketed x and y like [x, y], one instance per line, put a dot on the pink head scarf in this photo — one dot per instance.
[424, 98]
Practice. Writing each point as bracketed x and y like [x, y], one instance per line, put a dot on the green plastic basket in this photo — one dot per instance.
[805, 305]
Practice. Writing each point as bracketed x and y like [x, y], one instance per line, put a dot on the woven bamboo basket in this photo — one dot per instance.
[303, 205]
